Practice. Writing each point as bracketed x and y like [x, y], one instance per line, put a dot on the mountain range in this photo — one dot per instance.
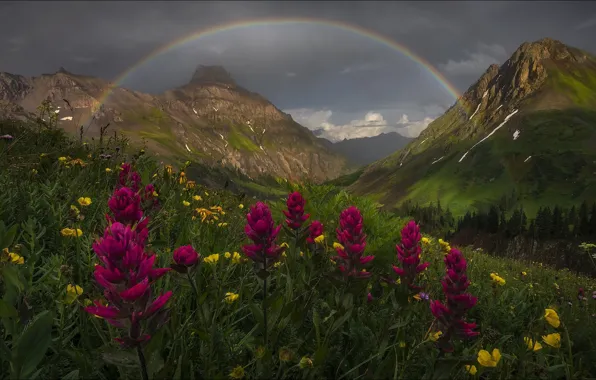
[366, 150]
[211, 120]
[527, 128]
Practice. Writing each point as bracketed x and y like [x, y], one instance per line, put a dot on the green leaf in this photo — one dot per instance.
[7, 235]
[11, 276]
[32, 344]
[340, 321]
[72, 375]
[7, 310]
[121, 358]
[257, 313]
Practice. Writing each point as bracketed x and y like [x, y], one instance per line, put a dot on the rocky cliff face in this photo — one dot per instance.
[211, 119]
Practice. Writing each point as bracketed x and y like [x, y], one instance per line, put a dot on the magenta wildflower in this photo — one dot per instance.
[369, 298]
[126, 273]
[353, 240]
[150, 198]
[125, 205]
[450, 315]
[295, 216]
[185, 257]
[128, 177]
[262, 231]
[314, 231]
[408, 254]
[6, 137]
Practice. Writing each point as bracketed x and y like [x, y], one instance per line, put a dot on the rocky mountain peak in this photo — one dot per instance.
[547, 48]
[212, 74]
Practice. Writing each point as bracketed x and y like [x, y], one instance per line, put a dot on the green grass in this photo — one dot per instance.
[580, 85]
[240, 141]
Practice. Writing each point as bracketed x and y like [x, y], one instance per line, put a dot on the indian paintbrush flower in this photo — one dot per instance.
[260, 228]
[450, 315]
[185, 257]
[295, 216]
[315, 231]
[408, 253]
[125, 206]
[352, 242]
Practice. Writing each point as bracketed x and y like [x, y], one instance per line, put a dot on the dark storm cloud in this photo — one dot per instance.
[338, 78]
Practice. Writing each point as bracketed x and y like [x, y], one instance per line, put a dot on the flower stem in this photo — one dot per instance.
[193, 285]
[265, 312]
[142, 363]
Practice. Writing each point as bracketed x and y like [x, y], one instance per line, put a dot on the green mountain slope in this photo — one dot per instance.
[527, 127]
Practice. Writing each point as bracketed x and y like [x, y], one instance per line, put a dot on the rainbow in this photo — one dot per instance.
[355, 29]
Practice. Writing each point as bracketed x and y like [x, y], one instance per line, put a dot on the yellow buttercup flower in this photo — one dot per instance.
[435, 336]
[534, 346]
[108, 170]
[236, 258]
[185, 203]
[489, 360]
[553, 340]
[336, 245]
[524, 273]
[496, 279]
[552, 317]
[471, 369]
[425, 240]
[227, 255]
[212, 259]
[11, 257]
[71, 232]
[305, 362]
[72, 292]
[237, 372]
[231, 297]
[320, 239]
[197, 198]
[84, 201]
[62, 159]
[240, 206]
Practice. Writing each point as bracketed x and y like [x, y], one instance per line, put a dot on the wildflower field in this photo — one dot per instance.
[114, 266]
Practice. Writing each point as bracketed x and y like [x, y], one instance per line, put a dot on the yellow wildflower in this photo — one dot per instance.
[553, 340]
[72, 292]
[185, 203]
[237, 372]
[212, 259]
[34, 171]
[417, 297]
[277, 264]
[227, 255]
[236, 258]
[283, 254]
[190, 184]
[402, 344]
[155, 194]
[285, 355]
[240, 206]
[301, 254]
[489, 360]
[182, 178]
[197, 198]
[534, 346]
[471, 369]
[336, 245]
[222, 224]
[168, 169]
[284, 245]
[260, 352]
[552, 317]
[62, 159]
[524, 274]
[206, 193]
[217, 209]
[425, 240]
[496, 279]
[435, 336]
[108, 170]
[75, 209]
[320, 239]
[71, 232]
[305, 362]
[231, 297]
[84, 201]
[11, 257]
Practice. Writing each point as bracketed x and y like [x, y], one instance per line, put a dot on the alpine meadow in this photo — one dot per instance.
[202, 232]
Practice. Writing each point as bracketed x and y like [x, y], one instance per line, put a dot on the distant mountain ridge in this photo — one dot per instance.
[528, 126]
[365, 150]
[211, 120]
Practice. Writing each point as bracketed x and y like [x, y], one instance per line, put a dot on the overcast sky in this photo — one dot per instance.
[325, 77]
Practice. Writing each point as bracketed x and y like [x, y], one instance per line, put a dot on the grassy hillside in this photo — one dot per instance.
[221, 323]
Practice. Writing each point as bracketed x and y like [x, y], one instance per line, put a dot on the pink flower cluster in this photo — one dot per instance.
[314, 231]
[261, 229]
[129, 178]
[295, 216]
[126, 272]
[408, 254]
[450, 315]
[351, 236]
